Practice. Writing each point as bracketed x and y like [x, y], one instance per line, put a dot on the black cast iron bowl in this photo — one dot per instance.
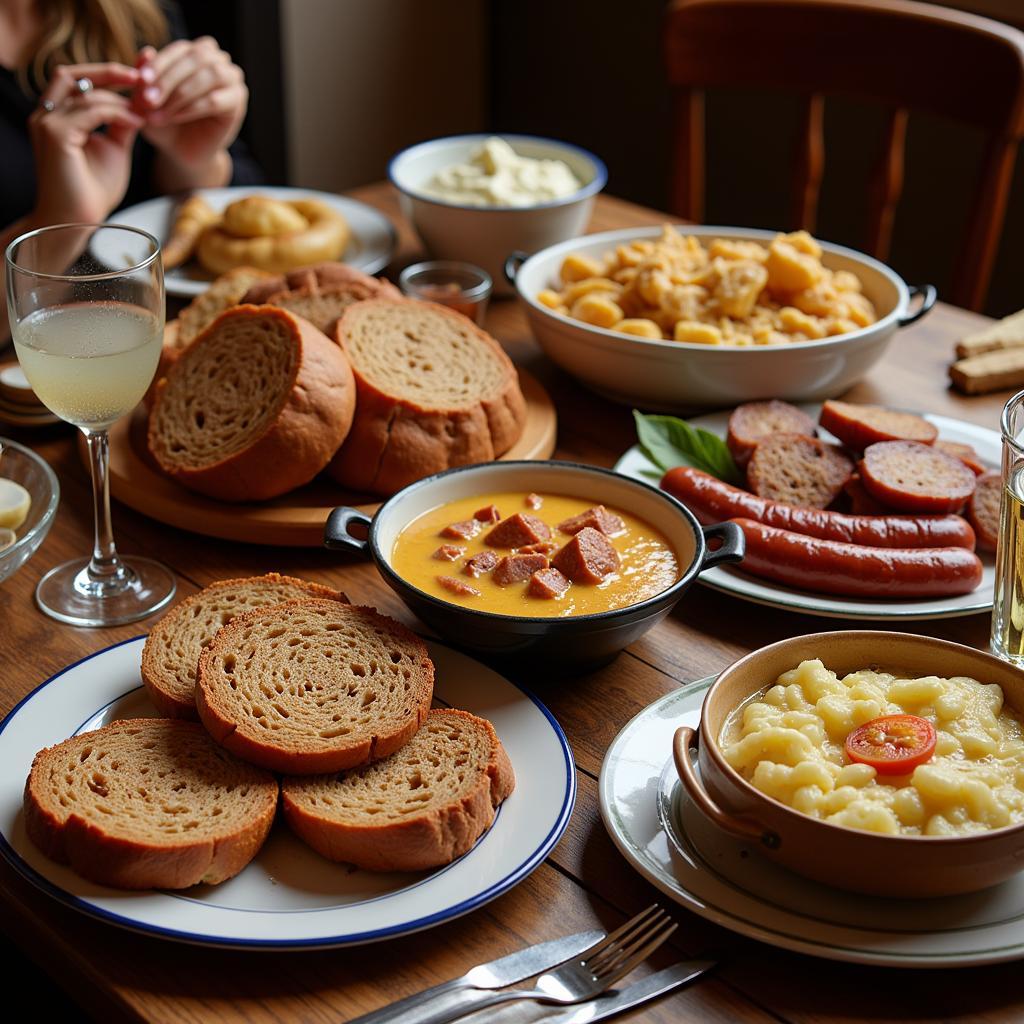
[576, 640]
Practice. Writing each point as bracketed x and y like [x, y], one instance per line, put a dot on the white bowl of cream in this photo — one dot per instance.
[479, 198]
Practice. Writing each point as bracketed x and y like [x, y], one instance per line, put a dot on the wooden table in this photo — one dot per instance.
[585, 882]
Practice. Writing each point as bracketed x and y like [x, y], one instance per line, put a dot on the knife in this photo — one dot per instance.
[619, 1000]
[508, 970]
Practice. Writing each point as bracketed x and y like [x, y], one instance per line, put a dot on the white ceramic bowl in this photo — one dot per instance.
[24, 467]
[682, 376]
[486, 235]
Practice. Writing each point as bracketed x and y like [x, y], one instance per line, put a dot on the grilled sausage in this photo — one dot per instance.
[752, 422]
[857, 426]
[711, 500]
[798, 470]
[830, 567]
[983, 510]
[914, 477]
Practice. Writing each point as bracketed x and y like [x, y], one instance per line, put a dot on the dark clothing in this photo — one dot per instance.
[17, 166]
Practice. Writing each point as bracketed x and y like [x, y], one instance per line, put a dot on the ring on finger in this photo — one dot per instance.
[83, 85]
[48, 106]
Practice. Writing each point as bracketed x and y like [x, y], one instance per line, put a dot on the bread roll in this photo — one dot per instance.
[254, 407]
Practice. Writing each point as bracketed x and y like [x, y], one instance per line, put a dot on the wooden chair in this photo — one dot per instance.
[905, 56]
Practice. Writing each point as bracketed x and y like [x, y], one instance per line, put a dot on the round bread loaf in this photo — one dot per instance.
[170, 656]
[419, 808]
[313, 686]
[254, 407]
[227, 291]
[433, 391]
[148, 803]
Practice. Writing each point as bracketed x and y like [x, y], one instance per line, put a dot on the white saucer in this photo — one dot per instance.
[666, 838]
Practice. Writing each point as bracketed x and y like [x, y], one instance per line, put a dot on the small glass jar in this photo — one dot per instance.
[460, 286]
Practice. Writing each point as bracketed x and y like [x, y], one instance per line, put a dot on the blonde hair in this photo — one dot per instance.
[84, 31]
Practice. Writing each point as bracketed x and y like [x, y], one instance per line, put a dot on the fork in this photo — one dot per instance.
[594, 971]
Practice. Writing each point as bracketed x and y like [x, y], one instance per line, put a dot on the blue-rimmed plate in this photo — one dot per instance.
[672, 844]
[289, 897]
[731, 579]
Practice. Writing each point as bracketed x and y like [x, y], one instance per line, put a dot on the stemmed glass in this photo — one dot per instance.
[86, 306]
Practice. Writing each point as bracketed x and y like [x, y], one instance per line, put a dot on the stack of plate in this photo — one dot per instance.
[18, 403]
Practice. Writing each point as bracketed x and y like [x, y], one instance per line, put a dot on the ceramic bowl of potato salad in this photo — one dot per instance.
[886, 763]
[674, 316]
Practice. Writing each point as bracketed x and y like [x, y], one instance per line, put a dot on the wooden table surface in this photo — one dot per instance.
[585, 882]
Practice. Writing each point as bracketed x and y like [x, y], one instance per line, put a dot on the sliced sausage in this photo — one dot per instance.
[752, 422]
[711, 500]
[480, 564]
[598, 518]
[516, 568]
[798, 470]
[545, 547]
[861, 503]
[858, 426]
[915, 477]
[533, 501]
[462, 530]
[457, 586]
[449, 552]
[831, 567]
[517, 531]
[547, 583]
[587, 558]
[983, 510]
[487, 514]
[964, 452]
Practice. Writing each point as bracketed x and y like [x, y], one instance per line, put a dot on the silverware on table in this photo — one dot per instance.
[507, 970]
[582, 977]
[619, 1000]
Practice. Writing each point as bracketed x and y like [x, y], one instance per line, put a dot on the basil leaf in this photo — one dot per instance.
[669, 441]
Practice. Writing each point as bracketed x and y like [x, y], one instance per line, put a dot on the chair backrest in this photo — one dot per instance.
[905, 56]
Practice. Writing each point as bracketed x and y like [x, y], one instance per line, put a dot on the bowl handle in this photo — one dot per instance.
[513, 262]
[336, 530]
[732, 548]
[686, 739]
[928, 295]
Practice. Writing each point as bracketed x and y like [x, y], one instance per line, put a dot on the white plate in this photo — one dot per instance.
[732, 580]
[289, 897]
[728, 882]
[370, 249]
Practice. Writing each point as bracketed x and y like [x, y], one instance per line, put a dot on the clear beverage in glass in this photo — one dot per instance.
[1008, 601]
[86, 308]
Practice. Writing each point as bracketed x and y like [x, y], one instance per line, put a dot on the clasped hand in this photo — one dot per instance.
[188, 101]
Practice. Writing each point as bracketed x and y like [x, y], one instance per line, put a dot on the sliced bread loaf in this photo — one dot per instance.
[419, 808]
[225, 292]
[433, 391]
[148, 803]
[171, 653]
[313, 686]
[254, 407]
[321, 293]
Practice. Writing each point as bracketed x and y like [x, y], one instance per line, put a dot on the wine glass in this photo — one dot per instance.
[86, 306]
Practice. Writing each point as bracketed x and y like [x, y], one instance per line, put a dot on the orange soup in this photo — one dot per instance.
[538, 555]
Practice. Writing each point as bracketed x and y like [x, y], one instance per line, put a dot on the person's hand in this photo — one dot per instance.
[193, 98]
[82, 174]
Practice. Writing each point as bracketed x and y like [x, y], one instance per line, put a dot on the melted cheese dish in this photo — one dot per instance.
[788, 742]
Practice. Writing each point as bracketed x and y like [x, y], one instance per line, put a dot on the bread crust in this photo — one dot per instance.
[428, 840]
[299, 441]
[395, 441]
[221, 719]
[155, 678]
[139, 863]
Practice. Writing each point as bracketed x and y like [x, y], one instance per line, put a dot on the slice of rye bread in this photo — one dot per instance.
[225, 292]
[170, 656]
[433, 391]
[313, 686]
[419, 808]
[254, 407]
[148, 803]
[321, 293]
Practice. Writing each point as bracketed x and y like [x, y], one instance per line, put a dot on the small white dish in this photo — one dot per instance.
[732, 580]
[667, 839]
[370, 249]
[289, 897]
[489, 235]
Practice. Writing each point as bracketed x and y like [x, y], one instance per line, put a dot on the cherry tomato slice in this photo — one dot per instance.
[892, 744]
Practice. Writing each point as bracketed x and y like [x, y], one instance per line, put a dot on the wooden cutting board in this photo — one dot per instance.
[295, 519]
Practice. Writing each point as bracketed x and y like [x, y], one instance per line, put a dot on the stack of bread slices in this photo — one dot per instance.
[272, 379]
[276, 692]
